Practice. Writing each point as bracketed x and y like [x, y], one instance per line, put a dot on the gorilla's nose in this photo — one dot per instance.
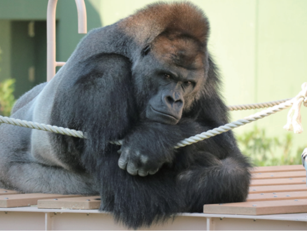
[174, 100]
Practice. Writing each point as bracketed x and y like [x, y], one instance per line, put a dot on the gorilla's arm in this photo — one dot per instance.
[103, 106]
[150, 145]
[96, 98]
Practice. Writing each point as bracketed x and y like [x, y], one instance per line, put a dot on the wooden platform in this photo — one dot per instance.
[274, 193]
[273, 190]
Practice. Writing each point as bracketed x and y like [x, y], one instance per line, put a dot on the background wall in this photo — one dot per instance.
[259, 45]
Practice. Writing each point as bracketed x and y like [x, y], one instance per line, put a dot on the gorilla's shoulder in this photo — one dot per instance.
[28, 96]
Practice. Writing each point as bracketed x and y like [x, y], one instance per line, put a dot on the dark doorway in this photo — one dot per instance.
[28, 54]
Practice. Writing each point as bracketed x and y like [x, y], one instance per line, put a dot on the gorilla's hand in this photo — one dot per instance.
[146, 149]
[138, 162]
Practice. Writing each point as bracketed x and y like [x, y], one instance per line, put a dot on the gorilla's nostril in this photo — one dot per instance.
[172, 102]
[169, 99]
[178, 103]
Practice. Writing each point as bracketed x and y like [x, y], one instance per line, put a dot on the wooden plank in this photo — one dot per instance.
[90, 202]
[273, 175]
[19, 200]
[281, 181]
[277, 196]
[284, 168]
[259, 208]
[273, 190]
[6, 192]
[278, 188]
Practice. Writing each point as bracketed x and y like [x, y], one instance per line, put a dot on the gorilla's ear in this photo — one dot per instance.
[146, 50]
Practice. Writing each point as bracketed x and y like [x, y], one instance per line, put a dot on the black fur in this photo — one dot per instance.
[110, 95]
[105, 89]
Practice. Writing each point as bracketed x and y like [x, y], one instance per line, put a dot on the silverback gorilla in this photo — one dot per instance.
[150, 81]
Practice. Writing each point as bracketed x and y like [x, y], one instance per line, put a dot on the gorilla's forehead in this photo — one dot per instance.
[179, 73]
[179, 51]
[148, 23]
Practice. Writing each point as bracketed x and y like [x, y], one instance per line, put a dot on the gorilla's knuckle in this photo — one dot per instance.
[125, 150]
[142, 172]
[122, 164]
[144, 159]
[131, 169]
[137, 154]
[153, 171]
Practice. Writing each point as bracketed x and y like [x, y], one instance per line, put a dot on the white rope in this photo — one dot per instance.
[41, 126]
[295, 121]
[232, 125]
[256, 105]
[185, 142]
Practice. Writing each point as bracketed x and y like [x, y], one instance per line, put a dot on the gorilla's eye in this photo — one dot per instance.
[167, 76]
[146, 50]
[187, 83]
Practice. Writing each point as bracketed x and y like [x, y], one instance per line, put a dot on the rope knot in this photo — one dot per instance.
[294, 121]
[305, 101]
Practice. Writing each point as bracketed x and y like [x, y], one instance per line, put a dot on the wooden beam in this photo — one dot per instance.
[280, 181]
[259, 207]
[6, 192]
[278, 188]
[90, 202]
[274, 175]
[19, 200]
[284, 168]
[277, 196]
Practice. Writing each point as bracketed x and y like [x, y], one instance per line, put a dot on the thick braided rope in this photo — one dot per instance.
[41, 126]
[232, 125]
[48, 128]
[183, 143]
[257, 105]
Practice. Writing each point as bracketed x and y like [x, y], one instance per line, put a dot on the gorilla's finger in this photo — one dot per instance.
[131, 169]
[123, 159]
[153, 172]
[142, 173]
[122, 163]
[119, 151]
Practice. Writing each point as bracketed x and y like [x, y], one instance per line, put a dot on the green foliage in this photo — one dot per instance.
[7, 98]
[269, 151]
[0, 56]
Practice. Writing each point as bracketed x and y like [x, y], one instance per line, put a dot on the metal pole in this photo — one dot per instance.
[82, 18]
[51, 40]
[209, 224]
[51, 43]
[304, 162]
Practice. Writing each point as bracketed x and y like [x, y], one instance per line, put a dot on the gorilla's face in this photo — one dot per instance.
[174, 77]
[167, 105]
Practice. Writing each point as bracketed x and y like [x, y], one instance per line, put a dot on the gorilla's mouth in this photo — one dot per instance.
[163, 117]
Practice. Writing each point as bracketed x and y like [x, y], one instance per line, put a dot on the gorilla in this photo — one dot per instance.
[149, 81]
